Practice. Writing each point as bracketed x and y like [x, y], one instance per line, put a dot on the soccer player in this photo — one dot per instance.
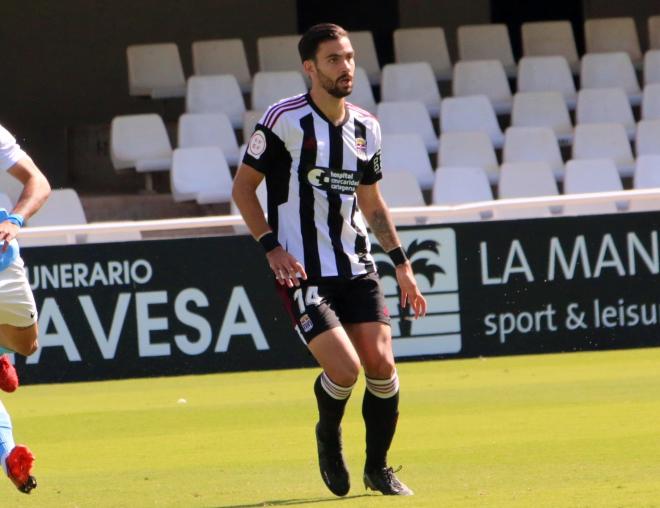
[18, 313]
[320, 156]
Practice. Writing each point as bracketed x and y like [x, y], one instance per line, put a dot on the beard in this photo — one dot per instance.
[335, 88]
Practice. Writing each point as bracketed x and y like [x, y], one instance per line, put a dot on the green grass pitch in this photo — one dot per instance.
[574, 430]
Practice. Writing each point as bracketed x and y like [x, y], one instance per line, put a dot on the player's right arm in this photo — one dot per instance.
[244, 192]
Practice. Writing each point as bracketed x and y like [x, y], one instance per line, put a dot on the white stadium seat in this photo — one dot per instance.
[469, 149]
[424, 45]
[547, 74]
[483, 77]
[592, 175]
[200, 171]
[543, 109]
[400, 188]
[647, 176]
[406, 152]
[606, 35]
[652, 66]
[279, 53]
[533, 144]
[604, 140]
[472, 113]
[550, 38]
[63, 207]
[411, 82]
[647, 141]
[155, 70]
[222, 56]
[208, 129]
[525, 180]
[462, 185]
[365, 54]
[271, 87]
[216, 94]
[486, 42]
[610, 70]
[408, 118]
[651, 102]
[10, 186]
[362, 94]
[605, 105]
[654, 32]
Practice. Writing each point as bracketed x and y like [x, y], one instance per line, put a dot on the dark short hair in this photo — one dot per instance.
[312, 38]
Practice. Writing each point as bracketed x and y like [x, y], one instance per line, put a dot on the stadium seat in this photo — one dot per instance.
[63, 207]
[647, 176]
[222, 56]
[606, 35]
[592, 175]
[208, 129]
[408, 118]
[250, 120]
[411, 82]
[462, 185]
[525, 180]
[10, 186]
[483, 77]
[610, 70]
[424, 45]
[406, 152]
[198, 172]
[474, 113]
[651, 102]
[652, 66]
[400, 188]
[550, 38]
[469, 149]
[543, 109]
[271, 87]
[547, 74]
[654, 32]
[533, 144]
[216, 94]
[604, 140]
[647, 141]
[605, 105]
[155, 70]
[362, 94]
[486, 42]
[6, 202]
[140, 142]
[279, 53]
[365, 54]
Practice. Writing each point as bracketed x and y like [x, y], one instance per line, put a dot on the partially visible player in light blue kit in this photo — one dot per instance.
[18, 312]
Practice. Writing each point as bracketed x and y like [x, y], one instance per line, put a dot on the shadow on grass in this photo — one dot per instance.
[293, 502]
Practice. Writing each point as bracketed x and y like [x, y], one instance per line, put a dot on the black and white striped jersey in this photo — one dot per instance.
[312, 170]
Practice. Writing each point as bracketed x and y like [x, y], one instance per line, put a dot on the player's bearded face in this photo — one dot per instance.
[340, 87]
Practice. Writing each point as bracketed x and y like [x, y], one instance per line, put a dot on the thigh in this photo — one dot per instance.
[22, 340]
[373, 343]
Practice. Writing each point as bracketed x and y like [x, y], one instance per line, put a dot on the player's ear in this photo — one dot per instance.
[309, 66]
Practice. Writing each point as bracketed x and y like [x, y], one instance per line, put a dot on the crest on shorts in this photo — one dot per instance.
[306, 323]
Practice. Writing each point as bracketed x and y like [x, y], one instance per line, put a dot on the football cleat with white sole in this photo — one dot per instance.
[384, 480]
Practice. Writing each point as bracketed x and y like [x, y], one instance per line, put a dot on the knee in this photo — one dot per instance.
[380, 369]
[345, 375]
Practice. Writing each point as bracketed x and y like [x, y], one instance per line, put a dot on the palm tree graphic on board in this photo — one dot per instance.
[420, 266]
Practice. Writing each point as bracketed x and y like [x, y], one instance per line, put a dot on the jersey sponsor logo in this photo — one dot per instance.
[339, 181]
[306, 323]
[257, 144]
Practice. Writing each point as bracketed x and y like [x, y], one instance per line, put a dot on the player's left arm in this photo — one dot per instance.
[377, 214]
[36, 190]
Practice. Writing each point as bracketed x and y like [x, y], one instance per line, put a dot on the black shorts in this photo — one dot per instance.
[317, 306]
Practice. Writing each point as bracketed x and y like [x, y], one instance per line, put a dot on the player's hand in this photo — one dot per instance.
[286, 268]
[409, 291]
[8, 231]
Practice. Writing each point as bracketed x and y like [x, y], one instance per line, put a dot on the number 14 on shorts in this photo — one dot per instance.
[311, 297]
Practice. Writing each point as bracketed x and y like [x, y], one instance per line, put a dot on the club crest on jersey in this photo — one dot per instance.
[257, 144]
[361, 146]
[306, 323]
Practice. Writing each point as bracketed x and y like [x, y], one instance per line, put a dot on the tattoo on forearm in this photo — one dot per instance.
[383, 228]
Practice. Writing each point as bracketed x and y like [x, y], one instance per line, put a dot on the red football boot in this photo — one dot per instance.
[8, 376]
[19, 466]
